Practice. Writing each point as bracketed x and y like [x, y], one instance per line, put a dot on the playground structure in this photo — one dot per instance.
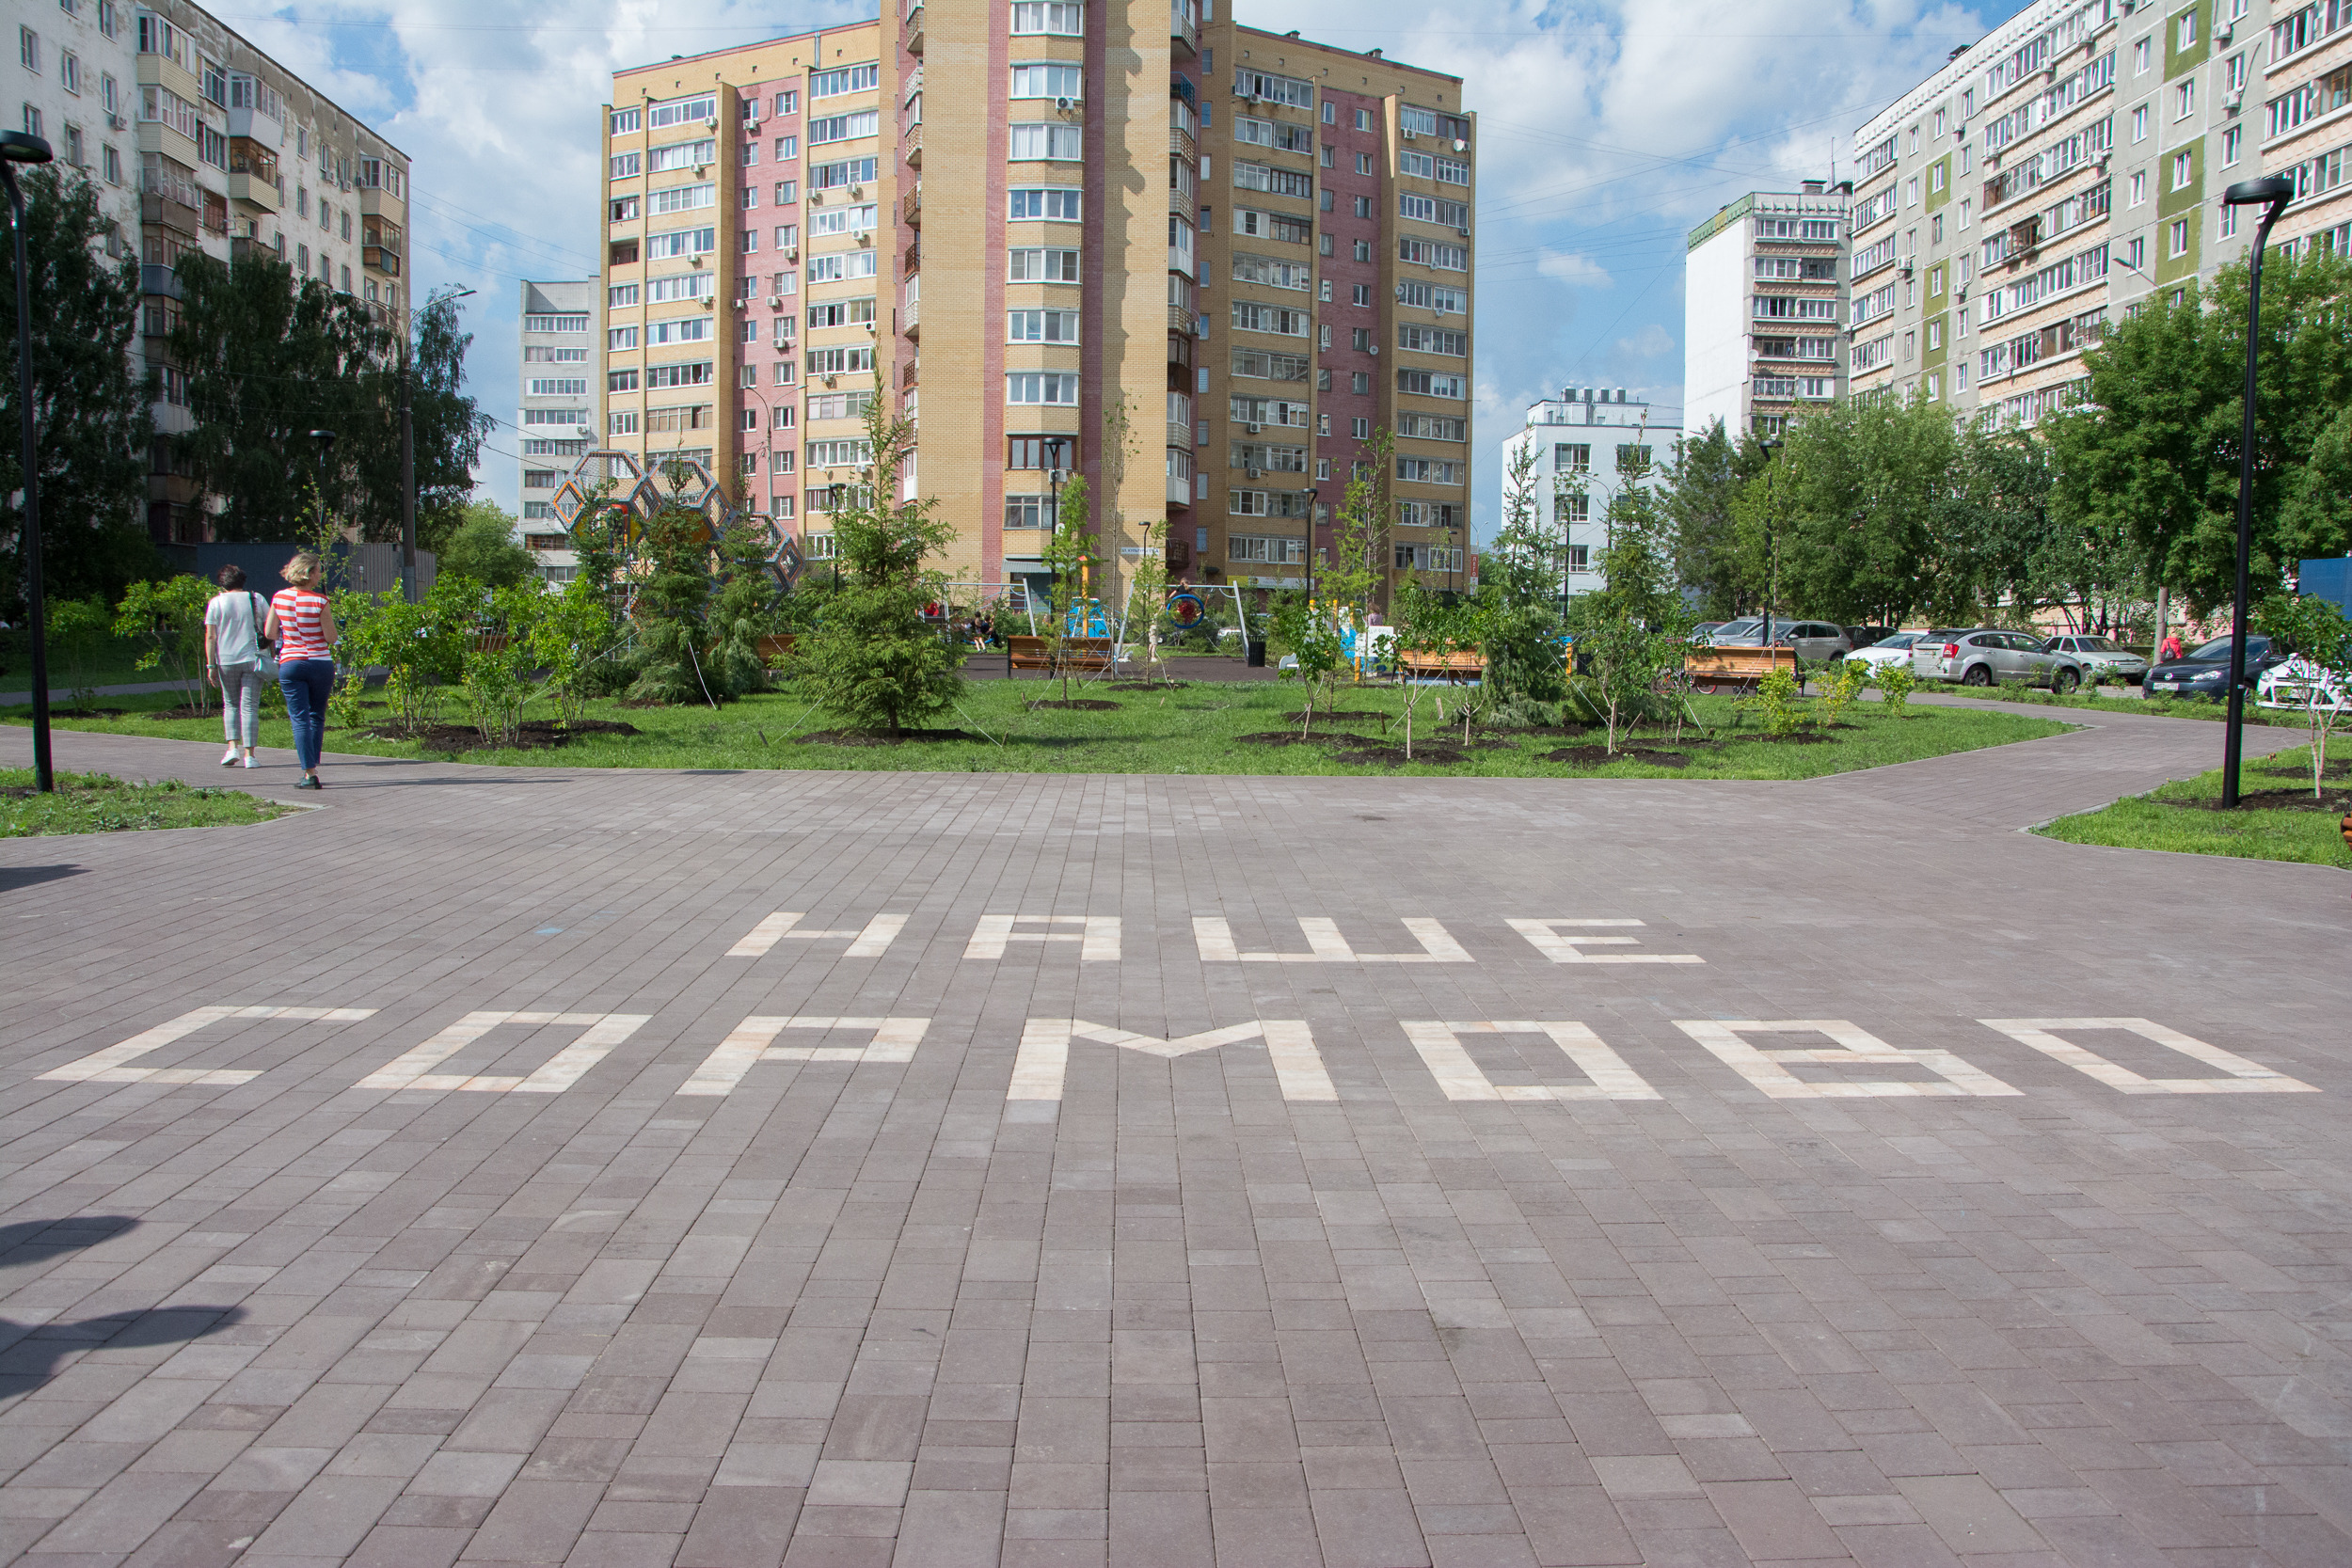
[636, 495]
[1088, 619]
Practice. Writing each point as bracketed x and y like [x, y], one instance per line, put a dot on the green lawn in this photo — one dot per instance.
[1197, 729]
[99, 803]
[2148, 822]
[110, 661]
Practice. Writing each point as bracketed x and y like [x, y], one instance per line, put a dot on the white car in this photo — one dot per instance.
[2300, 684]
[2103, 655]
[1886, 650]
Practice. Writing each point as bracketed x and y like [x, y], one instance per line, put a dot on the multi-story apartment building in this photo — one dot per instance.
[1764, 308]
[1090, 239]
[2047, 178]
[1587, 446]
[557, 410]
[196, 141]
[2305, 121]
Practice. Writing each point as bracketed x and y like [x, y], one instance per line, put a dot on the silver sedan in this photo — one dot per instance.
[2103, 654]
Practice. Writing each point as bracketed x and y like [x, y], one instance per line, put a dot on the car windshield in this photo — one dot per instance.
[2097, 645]
[2218, 649]
[1900, 640]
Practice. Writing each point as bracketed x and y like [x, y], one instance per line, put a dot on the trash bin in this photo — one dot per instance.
[1255, 657]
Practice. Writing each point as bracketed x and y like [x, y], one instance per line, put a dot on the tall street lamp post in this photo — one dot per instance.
[17, 148]
[2273, 191]
[1313, 491]
[324, 440]
[1771, 450]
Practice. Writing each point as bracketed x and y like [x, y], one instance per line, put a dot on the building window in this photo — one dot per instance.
[2179, 237]
[2139, 187]
[2184, 169]
[2184, 97]
[29, 49]
[2232, 141]
[2139, 119]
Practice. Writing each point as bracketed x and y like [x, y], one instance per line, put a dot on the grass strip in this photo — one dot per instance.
[2176, 818]
[1191, 730]
[102, 803]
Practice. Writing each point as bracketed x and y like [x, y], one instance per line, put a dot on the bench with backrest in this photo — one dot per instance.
[1079, 652]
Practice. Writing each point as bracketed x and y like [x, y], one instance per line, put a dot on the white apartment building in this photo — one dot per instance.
[1764, 308]
[556, 417]
[196, 141]
[1589, 443]
[2054, 175]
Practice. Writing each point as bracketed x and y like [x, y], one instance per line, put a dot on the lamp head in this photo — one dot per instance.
[2270, 190]
[1767, 447]
[325, 438]
[20, 147]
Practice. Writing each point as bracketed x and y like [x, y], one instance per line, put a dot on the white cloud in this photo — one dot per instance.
[1575, 271]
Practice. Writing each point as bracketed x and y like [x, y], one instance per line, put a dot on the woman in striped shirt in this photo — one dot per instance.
[302, 625]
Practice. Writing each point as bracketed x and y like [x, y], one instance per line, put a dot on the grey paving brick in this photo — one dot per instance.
[875, 1314]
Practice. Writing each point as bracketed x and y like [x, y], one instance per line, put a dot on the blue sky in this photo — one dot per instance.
[1607, 128]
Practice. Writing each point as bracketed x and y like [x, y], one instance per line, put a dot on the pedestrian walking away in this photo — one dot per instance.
[237, 659]
[302, 626]
[2171, 649]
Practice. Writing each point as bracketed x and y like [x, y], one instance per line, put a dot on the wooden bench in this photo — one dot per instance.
[1079, 652]
[1735, 669]
[1453, 666]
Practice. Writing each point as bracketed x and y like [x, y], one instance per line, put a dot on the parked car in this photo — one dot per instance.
[2206, 672]
[1816, 641]
[2302, 684]
[1888, 650]
[2103, 654]
[1984, 657]
[1704, 630]
[1867, 637]
[1740, 633]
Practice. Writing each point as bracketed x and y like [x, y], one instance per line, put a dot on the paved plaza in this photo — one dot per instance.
[537, 1165]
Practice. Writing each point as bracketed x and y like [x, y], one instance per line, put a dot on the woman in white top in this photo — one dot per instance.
[233, 624]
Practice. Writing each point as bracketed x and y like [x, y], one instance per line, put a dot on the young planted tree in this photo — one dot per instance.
[1311, 631]
[1353, 582]
[1070, 556]
[169, 617]
[91, 405]
[1520, 589]
[2322, 640]
[1427, 627]
[1636, 629]
[874, 661]
[498, 658]
[672, 601]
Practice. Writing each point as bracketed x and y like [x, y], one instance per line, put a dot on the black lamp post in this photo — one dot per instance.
[17, 148]
[1771, 450]
[2273, 191]
[326, 442]
[1313, 491]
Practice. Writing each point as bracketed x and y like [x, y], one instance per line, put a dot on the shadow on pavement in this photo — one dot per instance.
[34, 1352]
[15, 876]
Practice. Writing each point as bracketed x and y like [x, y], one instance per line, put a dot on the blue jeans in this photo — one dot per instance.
[308, 683]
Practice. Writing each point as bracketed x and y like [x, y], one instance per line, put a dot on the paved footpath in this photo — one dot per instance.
[533, 1165]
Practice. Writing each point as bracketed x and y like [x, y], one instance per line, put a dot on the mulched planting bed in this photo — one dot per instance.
[1147, 686]
[1300, 717]
[2336, 770]
[873, 737]
[535, 734]
[2271, 800]
[1084, 705]
[1801, 738]
[1596, 756]
[1292, 737]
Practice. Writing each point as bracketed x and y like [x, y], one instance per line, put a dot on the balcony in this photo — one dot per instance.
[913, 142]
[250, 188]
[909, 372]
[1183, 29]
[380, 258]
[1181, 145]
[914, 259]
[912, 208]
[1184, 204]
[177, 205]
[1180, 321]
[1180, 435]
[375, 201]
[912, 28]
[1179, 491]
[1180, 351]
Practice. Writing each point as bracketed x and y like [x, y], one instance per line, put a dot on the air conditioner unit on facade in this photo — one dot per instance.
[711, 125]
[829, 380]
[792, 253]
[1376, 350]
[863, 237]
[1255, 429]
[1411, 135]
[856, 192]
[775, 302]
[1254, 474]
[1460, 145]
[2234, 100]
[116, 122]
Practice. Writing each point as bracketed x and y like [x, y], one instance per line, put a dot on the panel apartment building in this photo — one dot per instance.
[557, 414]
[1246, 251]
[1764, 307]
[1588, 446]
[196, 141]
[2057, 174]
